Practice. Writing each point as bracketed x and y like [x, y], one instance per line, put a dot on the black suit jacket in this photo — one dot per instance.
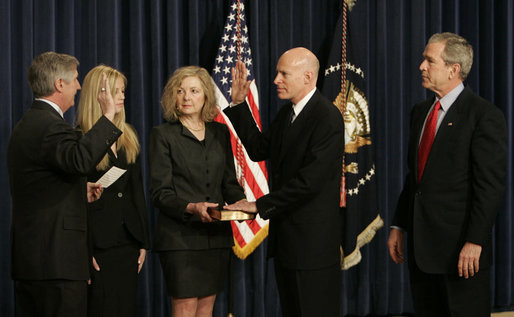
[184, 170]
[306, 161]
[462, 185]
[47, 162]
[121, 209]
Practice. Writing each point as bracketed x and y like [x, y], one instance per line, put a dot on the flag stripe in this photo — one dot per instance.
[234, 44]
[250, 168]
[254, 226]
[257, 171]
[254, 107]
[238, 236]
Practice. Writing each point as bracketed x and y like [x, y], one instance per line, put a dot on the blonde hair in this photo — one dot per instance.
[169, 94]
[47, 68]
[89, 111]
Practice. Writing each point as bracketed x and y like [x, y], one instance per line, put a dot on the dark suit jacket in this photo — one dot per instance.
[47, 162]
[306, 162]
[184, 170]
[462, 185]
[121, 209]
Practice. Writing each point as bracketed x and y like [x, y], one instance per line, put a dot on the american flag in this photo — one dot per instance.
[252, 176]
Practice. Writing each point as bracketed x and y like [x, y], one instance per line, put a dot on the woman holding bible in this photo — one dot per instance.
[191, 170]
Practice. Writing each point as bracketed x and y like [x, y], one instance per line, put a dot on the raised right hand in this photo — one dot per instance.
[240, 84]
[105, 98]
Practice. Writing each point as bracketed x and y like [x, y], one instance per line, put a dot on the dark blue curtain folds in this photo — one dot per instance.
[148, 40]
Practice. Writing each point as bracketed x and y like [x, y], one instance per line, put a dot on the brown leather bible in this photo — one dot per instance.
[228, 215]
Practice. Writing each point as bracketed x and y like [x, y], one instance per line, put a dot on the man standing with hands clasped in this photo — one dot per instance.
[47, 162]
[455, 185]
[304, 145]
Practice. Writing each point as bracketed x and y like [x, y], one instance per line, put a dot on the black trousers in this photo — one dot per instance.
[51, 298]
[309, 293]
[113, 289]
[445, 295]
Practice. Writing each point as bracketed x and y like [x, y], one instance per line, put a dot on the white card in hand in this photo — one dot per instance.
[110, 176]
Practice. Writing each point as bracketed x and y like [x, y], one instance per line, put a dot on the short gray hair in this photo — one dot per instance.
[47, 68]
[457, 50]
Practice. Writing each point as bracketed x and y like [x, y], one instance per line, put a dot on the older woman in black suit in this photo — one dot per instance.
[192, 169]
[118, 220]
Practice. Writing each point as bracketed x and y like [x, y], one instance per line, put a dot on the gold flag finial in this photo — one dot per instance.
[350, 4]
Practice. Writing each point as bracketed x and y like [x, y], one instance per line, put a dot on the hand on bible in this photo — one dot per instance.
[243, 205]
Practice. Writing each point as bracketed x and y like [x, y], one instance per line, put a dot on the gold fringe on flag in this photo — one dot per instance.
[362, 239]
[244, 252]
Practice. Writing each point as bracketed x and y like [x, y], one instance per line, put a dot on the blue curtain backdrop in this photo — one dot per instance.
[148, 40]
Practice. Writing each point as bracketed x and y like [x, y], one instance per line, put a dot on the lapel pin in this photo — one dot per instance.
[450, 124]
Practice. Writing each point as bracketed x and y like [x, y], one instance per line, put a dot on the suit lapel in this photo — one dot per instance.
[448, 125]
[446, 129]
[419, 120]
[417, 124]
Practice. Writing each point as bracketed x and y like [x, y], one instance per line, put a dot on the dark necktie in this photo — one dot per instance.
[291, 116]
[427, 139]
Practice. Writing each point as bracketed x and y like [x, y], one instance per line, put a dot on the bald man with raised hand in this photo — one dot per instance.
[304, 145]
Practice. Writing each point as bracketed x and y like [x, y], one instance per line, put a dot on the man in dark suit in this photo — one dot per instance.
[457, 160]
[47, 162]
[304, 145]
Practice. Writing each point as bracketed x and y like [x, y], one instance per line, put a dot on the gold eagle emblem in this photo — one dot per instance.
[356, 117]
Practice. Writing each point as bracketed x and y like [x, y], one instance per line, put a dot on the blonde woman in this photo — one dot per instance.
[118, 220]
[191, 169]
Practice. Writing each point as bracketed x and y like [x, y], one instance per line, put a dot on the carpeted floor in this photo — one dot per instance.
[504, 314]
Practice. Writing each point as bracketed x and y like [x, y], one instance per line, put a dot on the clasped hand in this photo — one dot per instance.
[94, 191]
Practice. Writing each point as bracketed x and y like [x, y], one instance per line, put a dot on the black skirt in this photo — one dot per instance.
[194, 273]
[113, 289]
